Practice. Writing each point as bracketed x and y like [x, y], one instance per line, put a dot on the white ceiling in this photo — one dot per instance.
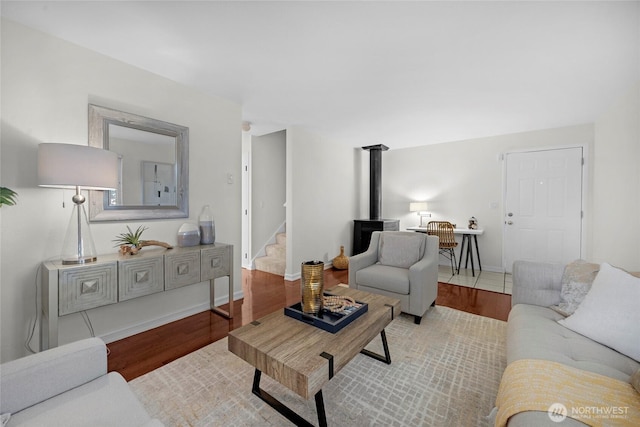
[398, 73]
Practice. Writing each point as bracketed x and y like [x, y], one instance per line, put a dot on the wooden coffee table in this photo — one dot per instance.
[303, 357]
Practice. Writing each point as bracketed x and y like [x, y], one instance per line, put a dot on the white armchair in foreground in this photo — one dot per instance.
[69, 386]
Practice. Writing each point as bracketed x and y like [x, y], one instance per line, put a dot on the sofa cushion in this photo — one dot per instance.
[609, 313]
[384, 277]
[534, 333]
[635, 380]
[106, 401]
[577, 279]
[400, 249]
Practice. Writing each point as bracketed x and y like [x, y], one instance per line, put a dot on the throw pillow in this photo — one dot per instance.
[635, 380]
[609, 313]
[400, 250]
[576, 282]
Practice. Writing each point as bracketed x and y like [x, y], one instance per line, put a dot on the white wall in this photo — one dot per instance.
[322, 195]
[268, 184]
[615, 235]
[463, 179]
[47, 85]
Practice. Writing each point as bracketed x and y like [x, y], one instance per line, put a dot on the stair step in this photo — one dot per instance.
[271, 265]
[276, 251]
[275, 261]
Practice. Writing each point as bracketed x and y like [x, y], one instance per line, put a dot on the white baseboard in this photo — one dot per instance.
[291, 277]
[164, 319]
[491, 268]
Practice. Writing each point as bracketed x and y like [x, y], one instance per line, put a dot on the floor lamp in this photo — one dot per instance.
[77, 167]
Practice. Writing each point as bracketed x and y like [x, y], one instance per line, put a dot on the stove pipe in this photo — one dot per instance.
[375, 179]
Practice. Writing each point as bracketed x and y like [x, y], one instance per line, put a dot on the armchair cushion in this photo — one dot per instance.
[400, 250]
[386, 278]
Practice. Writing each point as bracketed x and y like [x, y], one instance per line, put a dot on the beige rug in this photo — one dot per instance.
[444, 372]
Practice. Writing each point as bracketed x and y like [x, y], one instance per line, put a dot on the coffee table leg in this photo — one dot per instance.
[285, 410]
[322, 416]
[387, 356]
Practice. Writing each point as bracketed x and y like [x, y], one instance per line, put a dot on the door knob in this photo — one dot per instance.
[510, 214]
[509, 222]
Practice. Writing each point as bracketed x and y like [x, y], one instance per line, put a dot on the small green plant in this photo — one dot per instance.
[131, 238]
[7, 196]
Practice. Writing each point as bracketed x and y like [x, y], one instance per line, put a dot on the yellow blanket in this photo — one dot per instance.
[560, 390]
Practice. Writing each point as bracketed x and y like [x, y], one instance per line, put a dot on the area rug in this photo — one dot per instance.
[444, 372]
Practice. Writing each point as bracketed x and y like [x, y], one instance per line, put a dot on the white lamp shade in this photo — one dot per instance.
[417, 206]
[70, 166]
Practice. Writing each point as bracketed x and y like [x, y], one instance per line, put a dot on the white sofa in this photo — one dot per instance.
[533, 332]
[68, 386]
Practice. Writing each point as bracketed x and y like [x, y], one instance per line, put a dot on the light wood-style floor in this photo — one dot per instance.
[263, 293]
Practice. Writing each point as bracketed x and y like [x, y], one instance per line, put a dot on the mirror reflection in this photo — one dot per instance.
[153, 167]
[147, 165]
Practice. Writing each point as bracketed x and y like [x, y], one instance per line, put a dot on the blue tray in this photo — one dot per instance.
[326, 320]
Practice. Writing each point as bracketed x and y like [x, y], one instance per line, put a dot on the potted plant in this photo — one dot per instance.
[131, 242]
[7, 196]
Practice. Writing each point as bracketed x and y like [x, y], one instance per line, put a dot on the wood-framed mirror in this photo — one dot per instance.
[153, 166]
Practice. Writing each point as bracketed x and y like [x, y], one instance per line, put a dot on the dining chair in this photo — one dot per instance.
[444, 230]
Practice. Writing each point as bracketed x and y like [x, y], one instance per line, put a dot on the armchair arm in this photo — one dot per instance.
[536, 283]
[35, 378]
[425, 274]
[364, 259]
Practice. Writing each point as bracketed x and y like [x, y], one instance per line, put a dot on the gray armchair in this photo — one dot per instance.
[402, 265]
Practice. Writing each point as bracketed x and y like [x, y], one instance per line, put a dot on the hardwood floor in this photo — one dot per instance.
[263, 293]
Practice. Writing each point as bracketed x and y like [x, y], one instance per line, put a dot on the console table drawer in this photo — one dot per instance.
[139, 277]
[181, 269]
[216, 262]
[83, 288]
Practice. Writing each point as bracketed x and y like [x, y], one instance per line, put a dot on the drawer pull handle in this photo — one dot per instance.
[215, 262]
[183, 269]
[89, 287]
[142, 276]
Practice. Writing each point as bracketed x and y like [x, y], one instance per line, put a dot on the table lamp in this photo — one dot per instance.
[421, 208]
[77, 167]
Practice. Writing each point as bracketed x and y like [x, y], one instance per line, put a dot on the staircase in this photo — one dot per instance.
[275, 260]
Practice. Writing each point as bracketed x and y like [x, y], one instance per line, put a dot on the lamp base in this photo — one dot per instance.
[78, 247]
[422, 221]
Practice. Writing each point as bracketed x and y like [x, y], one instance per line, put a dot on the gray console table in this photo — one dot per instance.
[114, 278]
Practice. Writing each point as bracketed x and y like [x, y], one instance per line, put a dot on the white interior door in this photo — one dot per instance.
[543, 206]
